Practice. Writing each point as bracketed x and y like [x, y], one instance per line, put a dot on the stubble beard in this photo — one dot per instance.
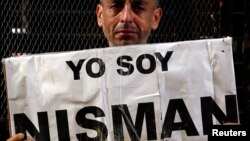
[126, 40]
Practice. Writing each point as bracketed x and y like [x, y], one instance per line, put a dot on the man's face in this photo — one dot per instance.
[126, 22]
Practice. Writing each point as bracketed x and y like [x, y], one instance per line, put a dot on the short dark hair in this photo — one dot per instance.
[156, 2]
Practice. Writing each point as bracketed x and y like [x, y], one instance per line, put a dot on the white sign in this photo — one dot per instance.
[171, 91]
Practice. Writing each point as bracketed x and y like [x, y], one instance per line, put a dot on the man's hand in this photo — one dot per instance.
[18, 137]
[231, 123]
[15, 54]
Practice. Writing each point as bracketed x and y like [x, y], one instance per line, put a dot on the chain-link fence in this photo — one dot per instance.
[36, 26]
[51, 25]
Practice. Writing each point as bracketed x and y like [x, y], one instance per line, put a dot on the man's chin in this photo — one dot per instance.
[125, 42]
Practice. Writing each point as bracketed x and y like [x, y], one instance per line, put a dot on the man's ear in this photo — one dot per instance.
[157, 18]
[99, 12]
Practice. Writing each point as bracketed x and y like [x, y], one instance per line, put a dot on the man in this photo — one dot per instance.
[124, 22]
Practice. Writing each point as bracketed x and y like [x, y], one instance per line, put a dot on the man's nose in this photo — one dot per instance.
[127, 14]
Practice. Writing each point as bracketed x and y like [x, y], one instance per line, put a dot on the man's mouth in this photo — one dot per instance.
[127, 31]
[126, 34]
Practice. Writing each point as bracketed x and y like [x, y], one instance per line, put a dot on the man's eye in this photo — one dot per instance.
[116, 5]
[138, 6]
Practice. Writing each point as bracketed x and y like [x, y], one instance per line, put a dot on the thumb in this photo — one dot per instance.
[17, 137]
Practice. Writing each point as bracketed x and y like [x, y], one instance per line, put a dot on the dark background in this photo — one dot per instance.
[37, 26]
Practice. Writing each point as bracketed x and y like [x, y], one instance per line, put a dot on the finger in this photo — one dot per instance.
[17, 137]
[13, 54]
[231, 123]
